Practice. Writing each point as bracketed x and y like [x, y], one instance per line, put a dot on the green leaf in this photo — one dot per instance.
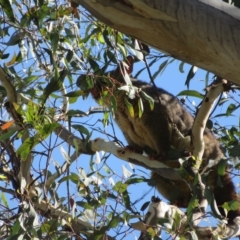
[98, 234]
[148, 98]
[190, 75]
[94, 65]
[23, 51]
[14, 39]
[2, 177]
[81, 129]
[181, 65]
[120, 187]
[76, 112]
[160, 69]
[135, 180]
[107, 170]
[207, 79]
[111, 56]
[122, 49]
[4, 200]
[126, 199]
[193, 204]
[191, 93]
[127, 89]
[49, 52]
[84, 205]
[31, 142]
[48, 129]
[105, 36]
[26, 147]
[140, 108]
[69, 55]
[220, 115]
[234, 152]
[54, 37]
[85, 82]
[209, 124]
[73, 177]
[236, 3]
[145, 205]
[49, 226]
[113, 104]
[130, 107]
[55, 84]
[212, 202]
[16, 228]
[77, 93]
[25, 20]
[30, 79]
[7, 135]
[106, 119]
[4, 56]
[19, 57]
[231, 108]
[32, 217]
[114, 222]
[7, 8]
[221, 167]
[193, 235]
[231, 205]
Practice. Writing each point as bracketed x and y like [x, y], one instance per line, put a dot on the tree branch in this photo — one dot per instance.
[199, 125]
[13, 97]
[210, 40]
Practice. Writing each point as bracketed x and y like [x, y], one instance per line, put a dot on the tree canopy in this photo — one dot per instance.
[56, 178]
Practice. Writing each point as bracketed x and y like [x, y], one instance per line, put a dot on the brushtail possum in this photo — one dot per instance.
[153, 133]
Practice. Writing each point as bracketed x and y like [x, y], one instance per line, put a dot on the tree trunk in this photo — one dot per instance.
[204, 33]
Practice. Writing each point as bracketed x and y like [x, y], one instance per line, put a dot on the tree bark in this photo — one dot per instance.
[204, 33]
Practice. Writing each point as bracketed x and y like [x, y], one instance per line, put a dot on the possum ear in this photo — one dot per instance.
[126, 69]
[130, 62]
[123, 68]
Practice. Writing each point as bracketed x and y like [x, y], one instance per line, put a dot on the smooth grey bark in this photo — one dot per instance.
[204, 33]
